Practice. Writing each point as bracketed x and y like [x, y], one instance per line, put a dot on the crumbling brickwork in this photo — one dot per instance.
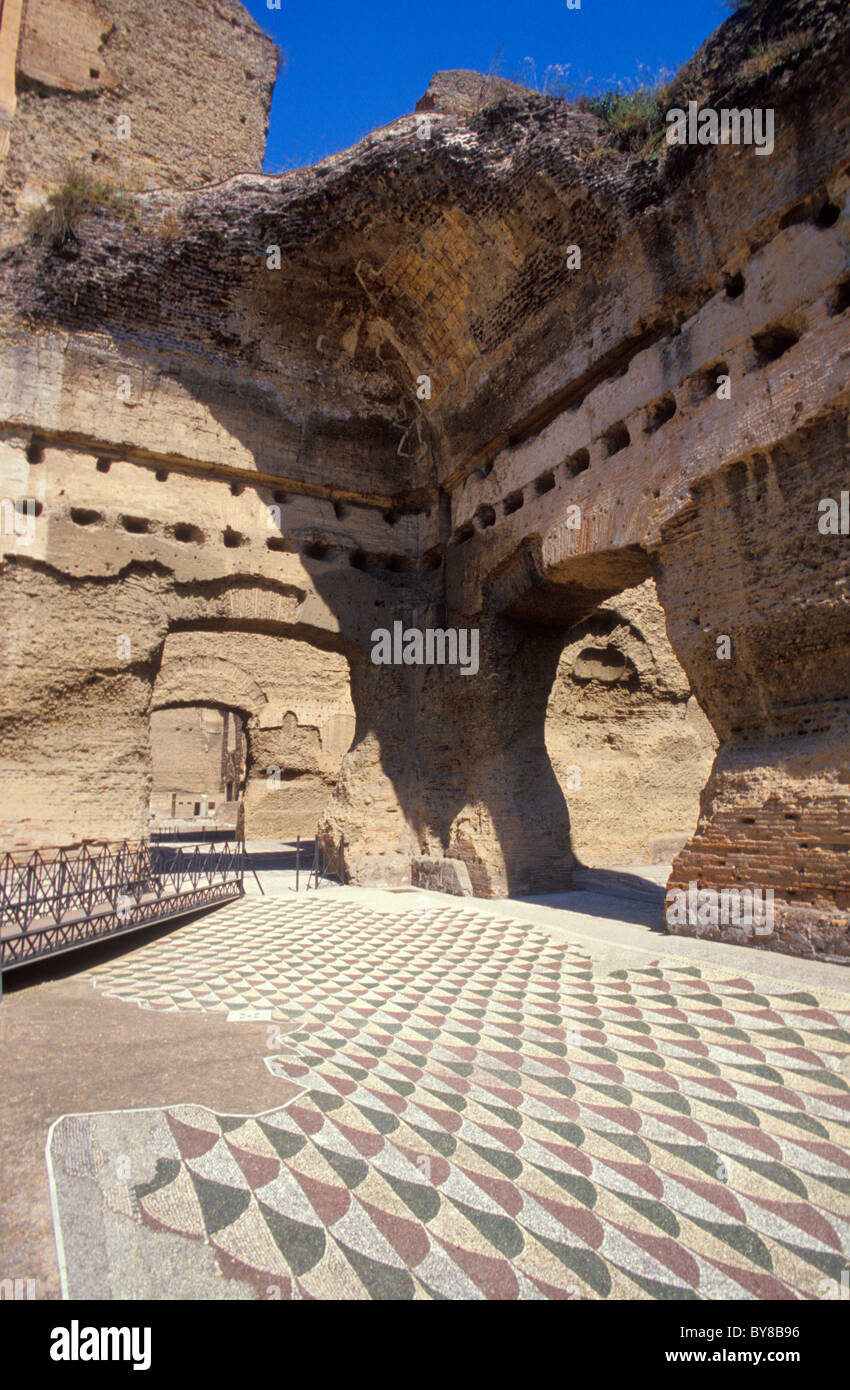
[143, 96]
[383, 389]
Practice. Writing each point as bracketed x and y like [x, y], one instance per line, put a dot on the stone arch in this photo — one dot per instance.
[184, 680]
[89, 667]
[294, 700]
[555, 615]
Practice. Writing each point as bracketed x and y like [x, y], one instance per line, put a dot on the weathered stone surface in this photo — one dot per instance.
[776, 810]
[295, 703]
[220, 446]
[630, 746]
[441, 875]
[465, 93]
[84, 66]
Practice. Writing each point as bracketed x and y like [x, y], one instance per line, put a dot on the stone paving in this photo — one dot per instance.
[482, 1113]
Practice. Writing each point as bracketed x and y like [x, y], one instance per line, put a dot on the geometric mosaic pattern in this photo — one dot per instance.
[485, 1115]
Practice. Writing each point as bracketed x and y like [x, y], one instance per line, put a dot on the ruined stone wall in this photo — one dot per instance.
[299, 720]
[140, 95]
[185, 760]
[222, 440]
[630, 746]
[121, 555]
[775, 812]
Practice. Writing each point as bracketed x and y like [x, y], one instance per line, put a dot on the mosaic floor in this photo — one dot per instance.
[482, 1115]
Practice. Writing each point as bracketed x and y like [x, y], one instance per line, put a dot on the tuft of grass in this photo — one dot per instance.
[767, 56]
[596, 155]
[78, 194]
[633, 111]
[634, 117]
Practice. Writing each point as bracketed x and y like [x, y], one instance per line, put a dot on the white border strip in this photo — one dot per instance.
[140, 1110]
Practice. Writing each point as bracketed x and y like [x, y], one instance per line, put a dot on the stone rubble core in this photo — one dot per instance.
[427, 414]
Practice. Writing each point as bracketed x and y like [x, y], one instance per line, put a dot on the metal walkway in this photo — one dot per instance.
[54, 900]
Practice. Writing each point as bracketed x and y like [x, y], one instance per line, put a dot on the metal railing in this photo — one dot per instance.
[327, 867]
[53, 900]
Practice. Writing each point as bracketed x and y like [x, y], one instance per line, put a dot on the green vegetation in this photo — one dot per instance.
[767, 56]
[79, 194]
[633, 111]
[635, 117]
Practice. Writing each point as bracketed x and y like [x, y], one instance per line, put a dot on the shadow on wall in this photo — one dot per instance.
[447, 764]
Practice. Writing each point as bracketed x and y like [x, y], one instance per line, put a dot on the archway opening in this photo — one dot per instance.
[630, 746]
[198, 762]
[271, 712]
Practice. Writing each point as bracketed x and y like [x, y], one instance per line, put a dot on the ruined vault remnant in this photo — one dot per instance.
[384, 390]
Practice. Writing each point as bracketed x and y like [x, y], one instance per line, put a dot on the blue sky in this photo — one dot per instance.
[353, 66]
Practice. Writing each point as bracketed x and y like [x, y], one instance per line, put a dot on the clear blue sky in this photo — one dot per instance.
[353, 66]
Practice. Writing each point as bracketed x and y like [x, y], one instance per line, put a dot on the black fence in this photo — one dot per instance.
[54, 900]
[326, 866]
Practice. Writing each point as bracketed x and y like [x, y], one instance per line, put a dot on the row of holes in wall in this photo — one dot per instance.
[36, 452]
[818, 209]
[765, 347]
[317, 549]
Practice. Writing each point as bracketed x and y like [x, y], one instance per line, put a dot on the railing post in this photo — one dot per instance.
[55, 898]
[59, 889]
[30, 894]
[297, 861]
